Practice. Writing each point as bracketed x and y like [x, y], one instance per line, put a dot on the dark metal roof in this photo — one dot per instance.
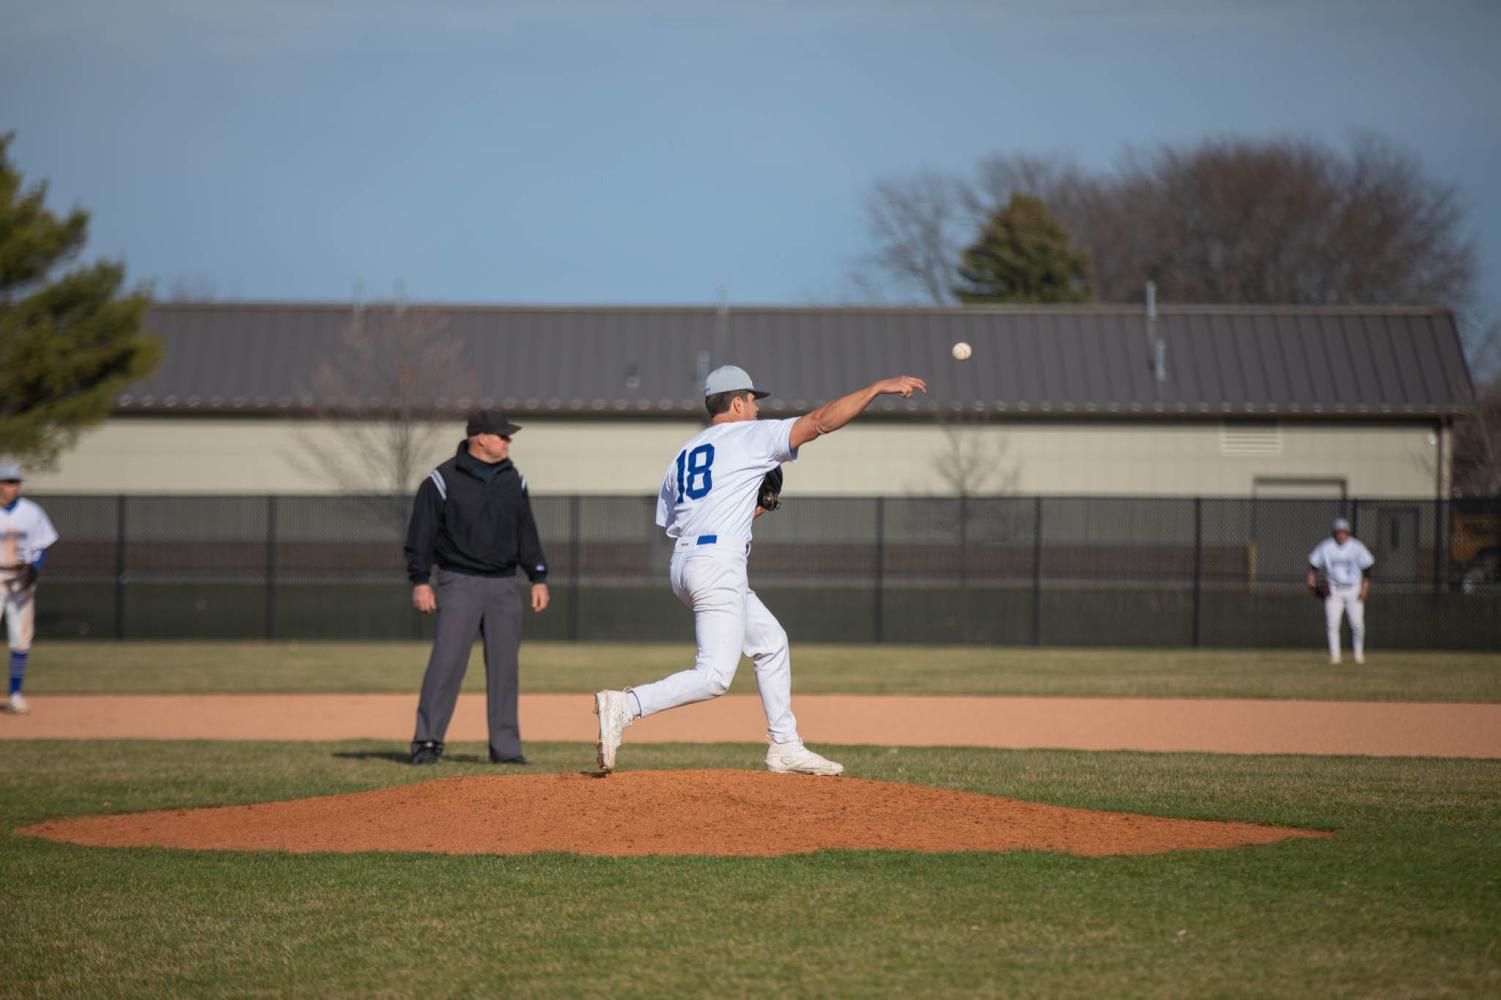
[1028, 361]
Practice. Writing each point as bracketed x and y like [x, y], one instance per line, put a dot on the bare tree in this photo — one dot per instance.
[192, 288]
[396, 375]
[919, 223]
[1477, 445]
[1055, 179]
[1235, 221]
[1281, 222]
[1482, 345]
[971, 464]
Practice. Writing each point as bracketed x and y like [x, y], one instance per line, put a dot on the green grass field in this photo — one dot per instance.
[61, 667]
[1404, 901]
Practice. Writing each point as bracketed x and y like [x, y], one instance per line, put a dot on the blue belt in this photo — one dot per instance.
[707, 539]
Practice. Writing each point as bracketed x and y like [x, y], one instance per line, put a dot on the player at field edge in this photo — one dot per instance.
[1346, 564]
[25, 536]
[706, 505]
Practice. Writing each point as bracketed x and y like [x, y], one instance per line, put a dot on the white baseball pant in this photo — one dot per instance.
[728, 619]
[18, 607]
[1345, 599]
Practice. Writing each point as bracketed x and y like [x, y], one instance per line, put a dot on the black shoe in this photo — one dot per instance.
[518, 760]
[427, 753]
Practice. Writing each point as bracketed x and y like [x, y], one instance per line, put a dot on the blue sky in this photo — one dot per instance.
[597, 152]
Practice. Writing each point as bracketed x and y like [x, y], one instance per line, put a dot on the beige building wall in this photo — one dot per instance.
[627, 457]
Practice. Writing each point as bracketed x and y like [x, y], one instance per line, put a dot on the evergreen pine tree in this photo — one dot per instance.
[70, 341]
[1023, 255]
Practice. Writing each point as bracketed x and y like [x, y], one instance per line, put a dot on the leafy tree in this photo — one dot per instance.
[69, 342]
[1023, 255]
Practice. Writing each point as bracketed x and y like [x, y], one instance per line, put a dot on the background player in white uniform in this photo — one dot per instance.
[707, 503]
[1346, 564]
[25, 534]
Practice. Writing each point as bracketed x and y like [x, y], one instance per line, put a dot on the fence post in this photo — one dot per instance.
[963, 539]
[879, 625]
[270, 566]
[574, 569]
[1037, 571]
[1440, 544]
[120, 566]
[1198, 563]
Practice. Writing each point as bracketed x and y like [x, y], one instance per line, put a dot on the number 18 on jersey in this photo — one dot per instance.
[695, 472]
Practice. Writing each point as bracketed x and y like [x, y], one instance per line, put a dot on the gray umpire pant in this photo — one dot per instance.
[466, 605]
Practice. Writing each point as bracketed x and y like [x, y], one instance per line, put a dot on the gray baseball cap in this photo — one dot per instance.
[729, 378]
[1340, 524]
[10, 470]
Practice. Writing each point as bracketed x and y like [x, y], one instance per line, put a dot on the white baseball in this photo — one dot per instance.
[961, 351]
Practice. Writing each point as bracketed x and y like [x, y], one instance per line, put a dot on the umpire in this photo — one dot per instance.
[473, 519]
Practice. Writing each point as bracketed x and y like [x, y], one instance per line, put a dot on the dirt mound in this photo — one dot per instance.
[747, 813]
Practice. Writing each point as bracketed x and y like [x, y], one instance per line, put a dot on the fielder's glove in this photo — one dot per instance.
[1320, 590]
[28, 577]
[770, 497]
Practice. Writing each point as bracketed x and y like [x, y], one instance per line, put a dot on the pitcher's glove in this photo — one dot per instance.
[770, 497]
[1320, 590]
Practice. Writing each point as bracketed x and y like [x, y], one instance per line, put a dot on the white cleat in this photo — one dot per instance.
[794, 758]
[17, 705]
[1334, 661]
[1359, 657]
[614, 711]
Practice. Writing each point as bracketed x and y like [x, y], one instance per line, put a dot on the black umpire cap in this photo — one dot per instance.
[490, 422]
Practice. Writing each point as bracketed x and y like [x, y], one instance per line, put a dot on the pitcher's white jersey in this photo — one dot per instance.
[1341, 563]
[25, 532]
[711, 486]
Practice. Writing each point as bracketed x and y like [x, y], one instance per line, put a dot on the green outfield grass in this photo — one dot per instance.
[1404, 901]
[59, 667]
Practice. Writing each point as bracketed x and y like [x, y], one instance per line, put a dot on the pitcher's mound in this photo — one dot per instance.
[657, 812]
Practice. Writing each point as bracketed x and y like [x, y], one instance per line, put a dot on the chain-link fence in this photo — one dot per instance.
[1006, 570]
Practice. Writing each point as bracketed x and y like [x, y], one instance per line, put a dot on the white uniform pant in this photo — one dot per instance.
[1345, 600]
[18, 607]
[728, 619]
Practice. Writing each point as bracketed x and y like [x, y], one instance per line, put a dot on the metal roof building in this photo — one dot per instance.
[1067, 400]
[1187, 362]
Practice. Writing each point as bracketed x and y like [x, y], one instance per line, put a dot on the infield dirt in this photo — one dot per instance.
[747, 813]
[1188, 725]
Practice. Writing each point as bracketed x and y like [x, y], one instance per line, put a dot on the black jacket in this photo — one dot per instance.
[468, 525]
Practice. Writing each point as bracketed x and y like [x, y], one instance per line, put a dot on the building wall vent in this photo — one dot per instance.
[1241, 440]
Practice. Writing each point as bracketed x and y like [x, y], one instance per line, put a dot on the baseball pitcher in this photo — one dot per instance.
[717, 484]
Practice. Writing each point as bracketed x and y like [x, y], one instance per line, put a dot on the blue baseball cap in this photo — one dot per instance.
[10, 472]
[729, 378]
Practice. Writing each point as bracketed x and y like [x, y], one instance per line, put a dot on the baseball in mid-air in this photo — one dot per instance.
[961, 351]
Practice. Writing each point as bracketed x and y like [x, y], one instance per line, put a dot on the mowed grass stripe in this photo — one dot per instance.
[141, 667]
[1403, 901]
